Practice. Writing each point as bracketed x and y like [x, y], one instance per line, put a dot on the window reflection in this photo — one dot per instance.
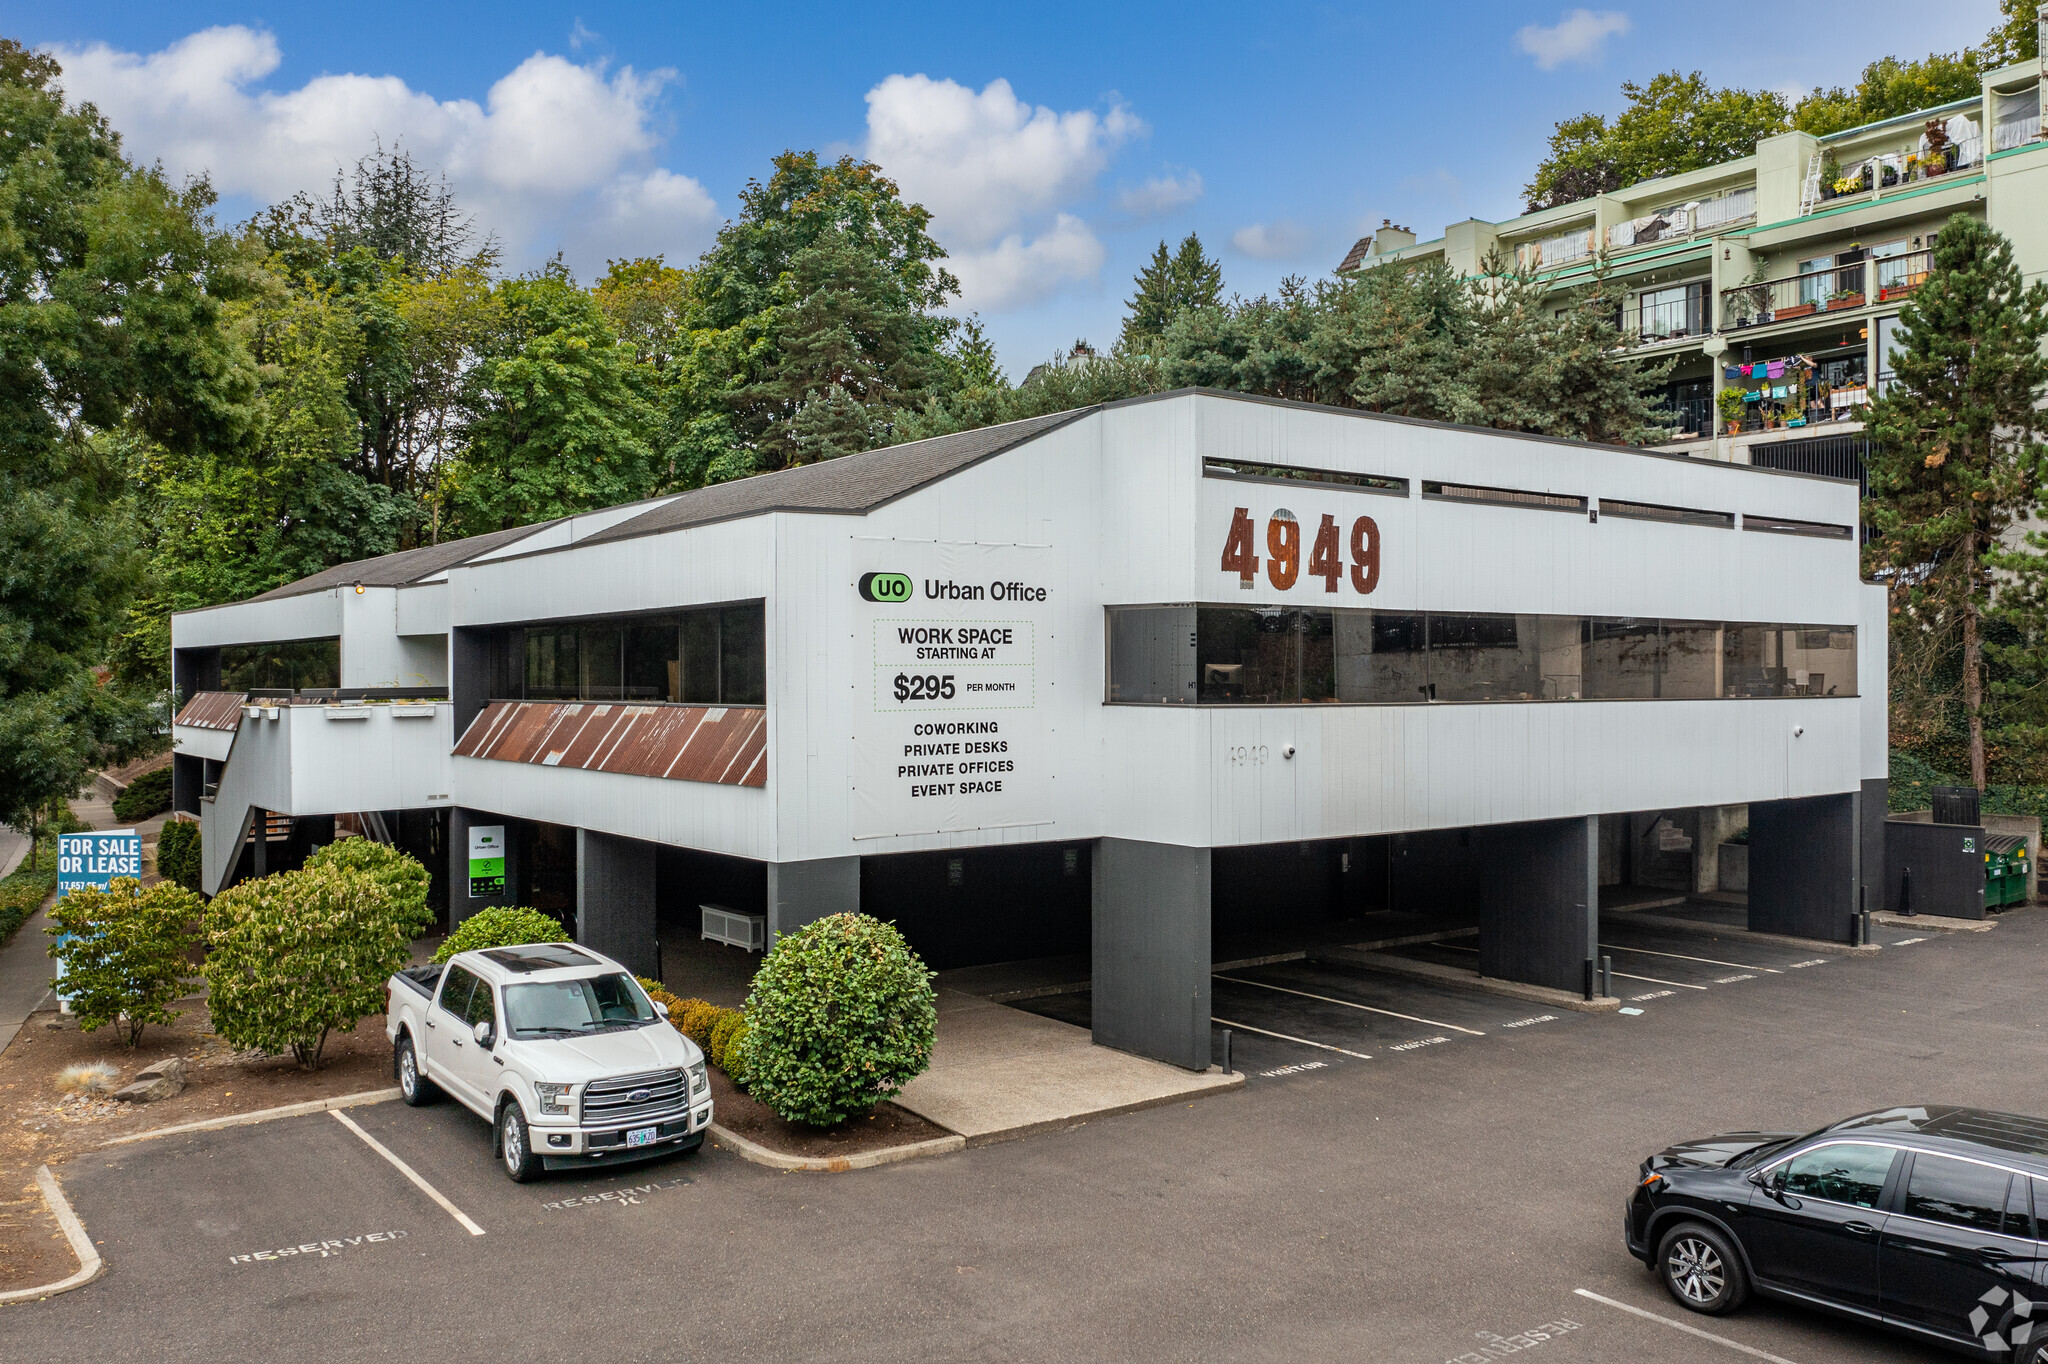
[714, 656]
[1272, 655]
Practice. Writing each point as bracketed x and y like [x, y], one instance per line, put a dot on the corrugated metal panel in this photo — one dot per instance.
[727, 745]
[220, 710]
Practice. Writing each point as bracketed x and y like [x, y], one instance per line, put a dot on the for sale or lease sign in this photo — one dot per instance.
[96, 857]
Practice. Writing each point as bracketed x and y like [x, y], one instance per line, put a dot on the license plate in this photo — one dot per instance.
[642, 1136]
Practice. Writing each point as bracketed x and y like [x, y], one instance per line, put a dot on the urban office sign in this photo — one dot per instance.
[949, 729]
[96, 857]
[486, 860]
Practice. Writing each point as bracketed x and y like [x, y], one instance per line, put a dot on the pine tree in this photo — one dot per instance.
[1959, 459]
[1169, 285]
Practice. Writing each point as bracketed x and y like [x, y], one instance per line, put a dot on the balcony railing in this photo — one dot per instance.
[1672, 318]
[1834, 289]
[2014, 133]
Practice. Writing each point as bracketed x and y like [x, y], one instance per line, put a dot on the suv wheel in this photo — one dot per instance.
[515, 1144]
[1702, 1269]
[415, 1088]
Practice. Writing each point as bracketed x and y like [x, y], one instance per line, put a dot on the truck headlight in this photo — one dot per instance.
[700, 1083]
[554, 1098]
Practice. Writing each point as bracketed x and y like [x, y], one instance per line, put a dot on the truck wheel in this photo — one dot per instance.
[516, 1145]
[415, 1088]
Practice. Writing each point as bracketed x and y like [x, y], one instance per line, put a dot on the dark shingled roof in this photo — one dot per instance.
[1359, 251]
[849, 485]
[406, 566]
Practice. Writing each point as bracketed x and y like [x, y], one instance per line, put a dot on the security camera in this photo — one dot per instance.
[1798, 730]
[1287, 751]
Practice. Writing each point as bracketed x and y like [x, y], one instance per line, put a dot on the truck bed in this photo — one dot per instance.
[421, 978]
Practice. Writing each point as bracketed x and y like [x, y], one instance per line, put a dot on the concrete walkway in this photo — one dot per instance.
[999, 1072]
[13, 849]
[25, 967]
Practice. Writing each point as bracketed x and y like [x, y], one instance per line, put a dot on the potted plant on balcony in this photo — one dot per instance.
[1830, 172]
[1729, 402]
[1940, 150]
[1845, 298]
[1792, 310]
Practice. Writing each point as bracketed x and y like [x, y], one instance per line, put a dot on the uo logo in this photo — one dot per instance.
[885, 587]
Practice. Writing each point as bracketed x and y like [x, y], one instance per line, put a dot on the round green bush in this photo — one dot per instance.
[840, 1017]
[399, 874]
[149, 794]
[504, 926]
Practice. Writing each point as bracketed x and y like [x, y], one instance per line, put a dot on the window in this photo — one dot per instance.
[1957, 1192]
[2019, 1213]
[1814, 286]
[572, 1006]
[1846, 1172]
[287, 666]
[1680, 310]
[1503, 497]
[1288, 473]
[1682, 516]
[1279, 655]
[455, 989]
[714, 656]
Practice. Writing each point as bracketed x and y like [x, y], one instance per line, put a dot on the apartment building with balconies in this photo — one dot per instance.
[1781, 274]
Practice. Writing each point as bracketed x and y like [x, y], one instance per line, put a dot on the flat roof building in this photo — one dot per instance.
[1130, 681]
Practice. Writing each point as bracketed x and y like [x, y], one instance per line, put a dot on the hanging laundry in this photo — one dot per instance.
[1759, 370]
[1732, 373]
[1776, 369]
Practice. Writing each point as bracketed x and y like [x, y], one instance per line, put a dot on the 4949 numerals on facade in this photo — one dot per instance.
[1283, 550]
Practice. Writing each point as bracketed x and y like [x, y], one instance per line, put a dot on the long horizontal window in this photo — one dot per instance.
[714, 656]
[1279, 656]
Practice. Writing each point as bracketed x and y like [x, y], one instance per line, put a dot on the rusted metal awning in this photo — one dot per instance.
[723, 744]
[220, 710]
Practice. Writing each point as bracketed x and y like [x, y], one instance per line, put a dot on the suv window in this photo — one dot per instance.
[1957, 1192]
[1845, 1172]
[455, 988]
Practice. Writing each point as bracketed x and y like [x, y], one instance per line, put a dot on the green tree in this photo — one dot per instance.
[2016, 37]
[556, 414]
[825, 280]
[125, 952]
[1671, 124]
[399, 874]
[1958, 457]
[1890, 87]
[111, 289]
[178, 853]
[1169, 285]
[501, 926]
[296, 956]
[642, 301]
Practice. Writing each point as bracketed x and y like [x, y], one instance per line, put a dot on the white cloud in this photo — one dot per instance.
[553, 146]
[1281, 239]
[990, 167]
[1160, 194]
[1577, 37]
[1014, 272]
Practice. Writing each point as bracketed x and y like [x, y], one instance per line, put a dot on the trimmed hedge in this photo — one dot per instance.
[149, 794]
[501, 926]
[717, 1030]
[177, 853]
[841, 1016]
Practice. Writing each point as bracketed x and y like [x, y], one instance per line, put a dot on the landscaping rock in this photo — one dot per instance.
[164, 1080]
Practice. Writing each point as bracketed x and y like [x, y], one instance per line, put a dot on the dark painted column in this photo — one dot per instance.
[1151, 950]
[193, 671]
[803, 892]
[188, 778]
[259, 829]
[1539, 901]
[1870, 844]
[1803, 857]
[461, 904]
[469, 675]
[615, 899]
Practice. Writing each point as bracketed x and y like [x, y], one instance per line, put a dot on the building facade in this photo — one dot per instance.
[1126, 682]
[1781, 274]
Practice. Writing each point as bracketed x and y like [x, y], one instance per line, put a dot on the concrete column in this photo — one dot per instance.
[1539, 901]
[615, 899]
[460, 903]
[1870, 844]
[1151, 950]
[1803, 864]
[259, 830]
[803, 892]
[1718, 824]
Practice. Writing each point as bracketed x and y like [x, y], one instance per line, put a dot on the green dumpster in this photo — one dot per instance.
[2005, 870]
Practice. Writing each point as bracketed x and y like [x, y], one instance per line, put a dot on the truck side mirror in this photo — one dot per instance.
[661, 1008]
[482, 1032]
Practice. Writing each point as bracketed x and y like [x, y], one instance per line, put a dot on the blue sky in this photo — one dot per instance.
[1056, 143]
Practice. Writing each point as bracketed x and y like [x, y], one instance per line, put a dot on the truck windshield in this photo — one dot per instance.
[586, 1005]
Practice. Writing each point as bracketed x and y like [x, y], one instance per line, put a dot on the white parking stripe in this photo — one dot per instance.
[1722, 1341]
[1623, 974]
[1469, 1032]
[1680, 956]
[429, 1190]
[1284, 1037]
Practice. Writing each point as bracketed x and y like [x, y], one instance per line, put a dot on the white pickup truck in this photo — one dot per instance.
[558, 1047]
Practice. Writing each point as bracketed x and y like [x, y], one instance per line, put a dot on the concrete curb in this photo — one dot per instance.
[1939, 923]
[1226, 1085]
[1470, 980]
[90, 1265]
[368, 1096]
[1728, 934]
[888, 1155]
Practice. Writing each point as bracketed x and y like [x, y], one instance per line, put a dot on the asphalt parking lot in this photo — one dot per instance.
[1420, 1206]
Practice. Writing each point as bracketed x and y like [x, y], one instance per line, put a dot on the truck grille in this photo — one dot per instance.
[612, 1101]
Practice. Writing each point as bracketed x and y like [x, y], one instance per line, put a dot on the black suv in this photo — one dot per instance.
[1921, 1220]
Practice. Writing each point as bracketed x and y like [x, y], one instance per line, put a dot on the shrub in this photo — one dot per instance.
[734, 1063]
[721, 1037]
[149, 794]
[301, 954]
[177, 853]
[840, 1017]
[400, 874]
[501, 926]
[125, 952]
